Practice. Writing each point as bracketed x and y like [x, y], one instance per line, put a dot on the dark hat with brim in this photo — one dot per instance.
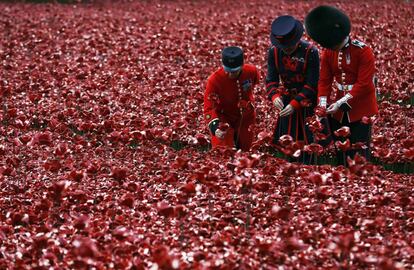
[327, 26]
[286, 32]
[232, 58]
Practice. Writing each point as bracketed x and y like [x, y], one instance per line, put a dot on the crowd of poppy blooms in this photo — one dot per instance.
[95, 99]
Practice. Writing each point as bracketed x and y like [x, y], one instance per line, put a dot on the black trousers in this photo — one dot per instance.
[360, 133]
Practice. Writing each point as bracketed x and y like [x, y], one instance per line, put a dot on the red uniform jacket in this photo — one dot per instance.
[356, 68]
[224, 97]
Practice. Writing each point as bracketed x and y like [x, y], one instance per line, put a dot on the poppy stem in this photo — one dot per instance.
[344, 158]
[248, 210]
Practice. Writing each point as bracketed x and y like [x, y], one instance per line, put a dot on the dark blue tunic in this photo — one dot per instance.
[294, 78]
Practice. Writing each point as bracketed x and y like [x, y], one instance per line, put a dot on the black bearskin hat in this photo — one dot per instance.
[327, 26]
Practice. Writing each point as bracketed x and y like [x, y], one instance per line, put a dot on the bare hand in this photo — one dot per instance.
[220, 133]
[288, 110]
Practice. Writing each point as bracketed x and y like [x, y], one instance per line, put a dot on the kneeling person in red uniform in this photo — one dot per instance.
[228, 101]
[351, 64]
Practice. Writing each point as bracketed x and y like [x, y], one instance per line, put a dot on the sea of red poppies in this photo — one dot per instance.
[104, 151]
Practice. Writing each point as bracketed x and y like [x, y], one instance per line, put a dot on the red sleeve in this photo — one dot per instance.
[255, 82]
[326, 75]
[211, 100]
[364, 83]
[257, 76]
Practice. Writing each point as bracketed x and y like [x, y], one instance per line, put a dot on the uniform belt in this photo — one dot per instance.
[344, 87]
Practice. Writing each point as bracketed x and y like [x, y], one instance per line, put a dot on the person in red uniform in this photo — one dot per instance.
[292, 79]
[228, 101]
[346, 85]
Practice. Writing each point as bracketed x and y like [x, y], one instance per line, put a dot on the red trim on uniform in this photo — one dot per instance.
[268, 92]
[276, 58]
[295, 104]
[309, 87]
[302, 95]
[275, 96]
[270, 84]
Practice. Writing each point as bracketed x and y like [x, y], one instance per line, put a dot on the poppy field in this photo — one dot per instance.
[105, 159]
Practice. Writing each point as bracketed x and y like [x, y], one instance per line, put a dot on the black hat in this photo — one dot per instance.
[286, 31]
[232, 58]
[327, 25]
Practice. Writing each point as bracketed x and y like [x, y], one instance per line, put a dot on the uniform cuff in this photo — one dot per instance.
[275, 96]
[295, 104]
[343, 103]
[213, 125]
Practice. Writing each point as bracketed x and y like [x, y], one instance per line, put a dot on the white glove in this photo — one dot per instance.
[322, 102]
[335, 106]
[278, 103]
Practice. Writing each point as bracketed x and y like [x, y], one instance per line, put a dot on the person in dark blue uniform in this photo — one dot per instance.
[292, 79]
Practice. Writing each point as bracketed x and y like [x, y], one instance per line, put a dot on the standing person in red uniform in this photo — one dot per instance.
[228, 101]
[347, 69]
[292, 79]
